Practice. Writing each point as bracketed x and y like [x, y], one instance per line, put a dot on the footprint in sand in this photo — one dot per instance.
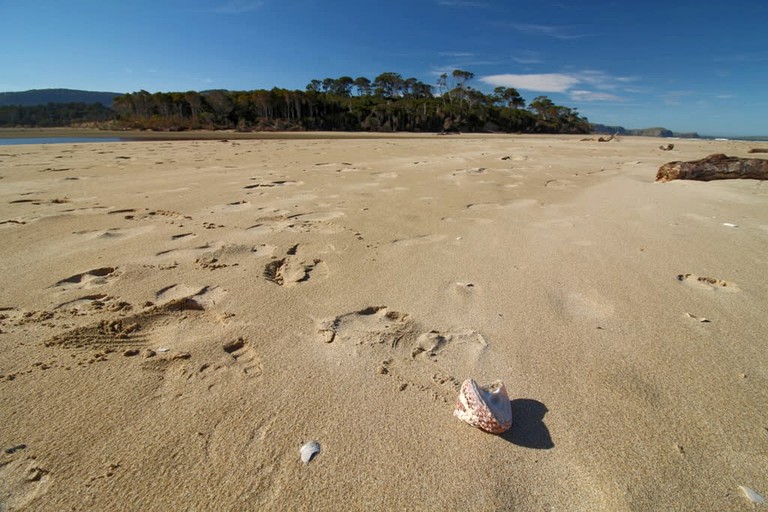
[22, 481]
[293, 269]
[393, 344]
[206, 296]
[89, 279]
[263, 250]
[94, 302]
[162, 334]
[707, 283]
[237, 360]
[245, 358]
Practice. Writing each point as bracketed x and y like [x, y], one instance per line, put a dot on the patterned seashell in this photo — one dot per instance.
[308, 451]
[485, 407]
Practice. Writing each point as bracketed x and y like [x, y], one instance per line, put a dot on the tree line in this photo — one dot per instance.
[387, 103]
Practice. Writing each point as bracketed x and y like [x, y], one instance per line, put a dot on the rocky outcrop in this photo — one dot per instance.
[715, 167]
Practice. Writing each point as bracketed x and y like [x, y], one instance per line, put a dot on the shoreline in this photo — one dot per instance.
[147, 135]
[190, 135]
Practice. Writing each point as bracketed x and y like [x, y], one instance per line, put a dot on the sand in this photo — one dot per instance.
[180, 317]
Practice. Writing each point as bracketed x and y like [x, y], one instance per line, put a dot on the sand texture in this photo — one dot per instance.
[179, 317]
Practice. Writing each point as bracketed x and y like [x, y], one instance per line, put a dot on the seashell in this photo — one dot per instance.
[752, 495]
[309, 450]
[485, 407]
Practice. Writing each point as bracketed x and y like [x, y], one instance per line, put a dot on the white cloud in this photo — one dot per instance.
[549, 82]
[593, 96]
[585, 85]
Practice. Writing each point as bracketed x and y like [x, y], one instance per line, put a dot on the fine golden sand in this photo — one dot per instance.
[180, 317]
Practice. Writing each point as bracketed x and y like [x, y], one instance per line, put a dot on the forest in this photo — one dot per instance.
[388, 103]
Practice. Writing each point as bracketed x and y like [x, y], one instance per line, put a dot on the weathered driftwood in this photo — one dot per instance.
[758, 150]
[715, 167]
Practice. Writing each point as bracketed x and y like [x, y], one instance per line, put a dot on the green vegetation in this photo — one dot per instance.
[389, 103]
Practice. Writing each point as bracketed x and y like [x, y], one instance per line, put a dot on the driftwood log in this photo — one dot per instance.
[715, 167]
[758, 150]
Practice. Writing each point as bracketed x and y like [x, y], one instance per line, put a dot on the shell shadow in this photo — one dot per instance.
[528, 428]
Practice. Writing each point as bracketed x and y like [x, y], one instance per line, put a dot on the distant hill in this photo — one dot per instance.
[644, 132]
[45, 96]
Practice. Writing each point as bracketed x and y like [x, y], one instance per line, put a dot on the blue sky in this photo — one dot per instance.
[688, 65]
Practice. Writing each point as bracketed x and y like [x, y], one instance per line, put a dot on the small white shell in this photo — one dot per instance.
[309, 450]
[752, 495]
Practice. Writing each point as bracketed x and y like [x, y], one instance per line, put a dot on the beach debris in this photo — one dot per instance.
[163, 349]
[668, 147]
[697, 318]
[14, 449]
[714, 167]
[753, 496]
[758, 150]
[308, 451]
[485, 407]
[730, 225]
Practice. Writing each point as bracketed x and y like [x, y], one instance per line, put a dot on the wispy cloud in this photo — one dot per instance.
[593, 96]
[549, 82]
[604, 81]
[586, 85]
[239, 6]
[553, 31]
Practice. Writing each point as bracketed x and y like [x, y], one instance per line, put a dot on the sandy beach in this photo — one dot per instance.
[179, 317]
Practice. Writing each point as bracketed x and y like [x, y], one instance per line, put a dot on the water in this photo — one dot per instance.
[57, 140]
